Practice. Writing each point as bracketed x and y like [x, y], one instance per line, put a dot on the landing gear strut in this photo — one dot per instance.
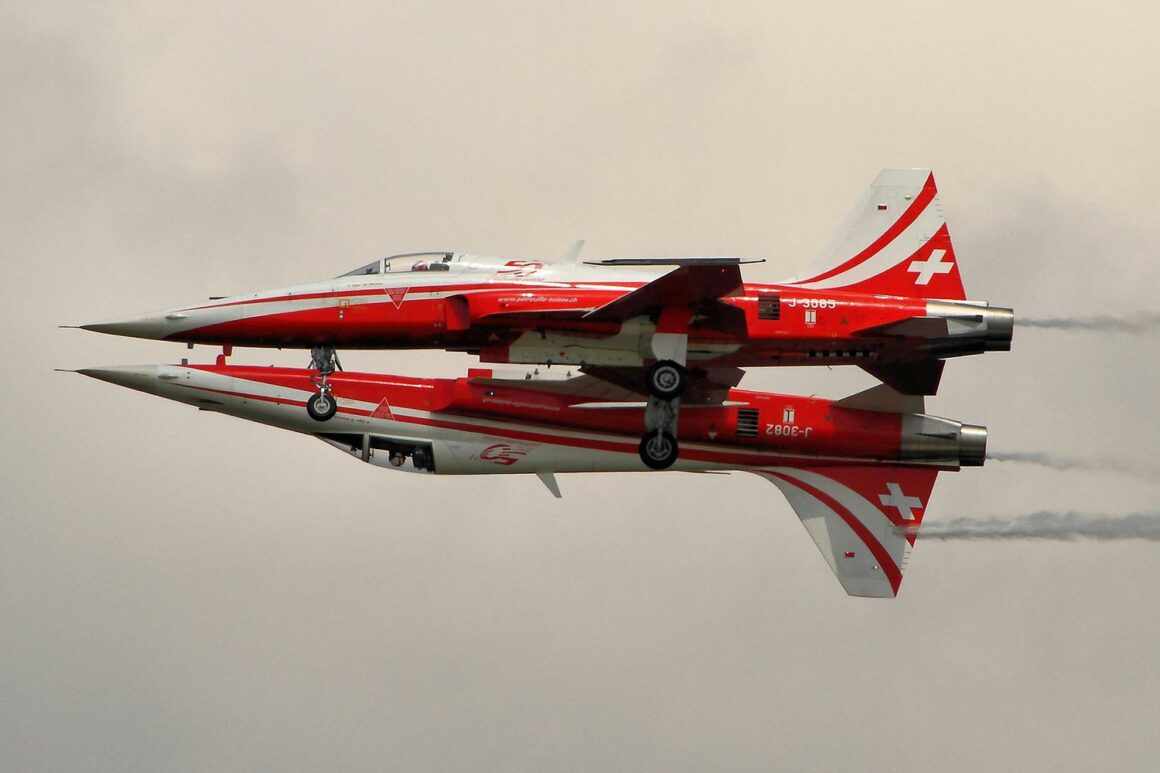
[322, 406]
[665, 382]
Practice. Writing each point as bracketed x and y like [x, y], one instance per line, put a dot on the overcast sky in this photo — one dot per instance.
[181, 591]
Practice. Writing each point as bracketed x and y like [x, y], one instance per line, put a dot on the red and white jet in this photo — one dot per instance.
[858, 471]
[888, 297]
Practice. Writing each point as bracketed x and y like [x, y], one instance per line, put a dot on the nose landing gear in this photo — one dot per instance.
[322, 406]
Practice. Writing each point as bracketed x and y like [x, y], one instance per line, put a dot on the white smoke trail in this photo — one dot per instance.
[1138, 323]
[1046, 525]
[1132, 468]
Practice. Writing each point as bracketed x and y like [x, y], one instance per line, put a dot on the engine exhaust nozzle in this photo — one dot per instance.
[1000, 326]
[972, 445]
[942, 441]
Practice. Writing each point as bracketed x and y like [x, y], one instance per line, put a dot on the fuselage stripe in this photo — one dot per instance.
[414, 290]
[750, 460]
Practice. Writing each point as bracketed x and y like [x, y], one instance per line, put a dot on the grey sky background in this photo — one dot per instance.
[189, 592]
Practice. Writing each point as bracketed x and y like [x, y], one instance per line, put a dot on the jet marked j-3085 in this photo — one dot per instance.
[888, 296]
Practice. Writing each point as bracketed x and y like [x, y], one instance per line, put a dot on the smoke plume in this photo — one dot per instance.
[1138, 323]
[1132, 468]
[1047, 525]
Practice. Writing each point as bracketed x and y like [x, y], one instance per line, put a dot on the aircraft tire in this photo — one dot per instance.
[658, 451]
[666, 379]
[321, 406]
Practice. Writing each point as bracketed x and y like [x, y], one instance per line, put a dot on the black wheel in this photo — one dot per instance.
[658, 450]
[666, 380]
[321, 406]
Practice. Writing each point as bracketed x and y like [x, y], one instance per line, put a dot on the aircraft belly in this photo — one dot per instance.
[631, 347]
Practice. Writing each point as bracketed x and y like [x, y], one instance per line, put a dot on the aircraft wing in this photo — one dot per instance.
[858, 516]
[618, 385]
[588, 387]
[706, 387]
[693, 282]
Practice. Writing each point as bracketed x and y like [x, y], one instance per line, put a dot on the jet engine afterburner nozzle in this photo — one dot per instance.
[942, 441]
[1000, 326]
[971, 328]
[972, 445]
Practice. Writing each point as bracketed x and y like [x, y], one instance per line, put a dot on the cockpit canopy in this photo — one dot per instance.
[408, 261]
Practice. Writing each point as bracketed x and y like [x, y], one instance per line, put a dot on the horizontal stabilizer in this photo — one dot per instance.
[921, 377]
[861, 519]
[883, 398]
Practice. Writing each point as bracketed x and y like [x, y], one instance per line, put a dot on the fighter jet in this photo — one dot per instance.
[858, 472]
[887, 296]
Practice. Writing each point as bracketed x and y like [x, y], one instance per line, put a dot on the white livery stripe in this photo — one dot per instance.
[865, 511]
[918, 233]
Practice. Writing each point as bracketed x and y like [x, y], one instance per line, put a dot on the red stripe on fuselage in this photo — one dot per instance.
[716, 457]
[543, 285]
[738, 458]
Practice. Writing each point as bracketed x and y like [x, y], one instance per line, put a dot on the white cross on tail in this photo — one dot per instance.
[900, 501]
[926, 269]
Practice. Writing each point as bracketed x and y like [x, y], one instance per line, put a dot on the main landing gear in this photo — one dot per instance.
[322, 406]
[658, 450]
[665, 381]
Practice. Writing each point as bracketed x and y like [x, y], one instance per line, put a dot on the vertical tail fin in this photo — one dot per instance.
[857, 516]
[894, 242]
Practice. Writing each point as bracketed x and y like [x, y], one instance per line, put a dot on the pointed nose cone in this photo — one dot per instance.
[152, 326]
[144, 378]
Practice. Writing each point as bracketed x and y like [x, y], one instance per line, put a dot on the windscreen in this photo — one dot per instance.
[408, 261]
[370, 268]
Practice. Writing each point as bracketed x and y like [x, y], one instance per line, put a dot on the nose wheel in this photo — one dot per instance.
[322, 406]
